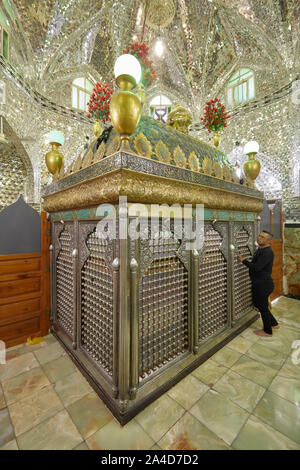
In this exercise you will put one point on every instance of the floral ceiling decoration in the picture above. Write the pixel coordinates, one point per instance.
(53, 42)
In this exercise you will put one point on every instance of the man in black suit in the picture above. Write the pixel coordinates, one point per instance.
(260, 270)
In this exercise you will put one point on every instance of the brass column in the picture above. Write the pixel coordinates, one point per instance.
(195, 300)
(134, 353)
(116, 287)
(124, 313)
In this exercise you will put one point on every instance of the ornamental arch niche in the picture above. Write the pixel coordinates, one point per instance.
(16, 172)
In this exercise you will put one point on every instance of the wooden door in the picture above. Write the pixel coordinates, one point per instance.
(272, 221)
(277, 272)
(25, 292)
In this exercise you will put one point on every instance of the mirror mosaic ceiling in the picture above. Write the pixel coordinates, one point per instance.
(53, 41)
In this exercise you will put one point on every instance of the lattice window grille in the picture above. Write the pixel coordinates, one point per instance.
(242, 283)
(65, 285)
(97, 305)
(212, 287)
(163, 307)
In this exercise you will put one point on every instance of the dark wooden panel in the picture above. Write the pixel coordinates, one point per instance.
(25, 292)
(15, 333)
(277, 272)
(19, 309)
(20, 265)
(17, 287)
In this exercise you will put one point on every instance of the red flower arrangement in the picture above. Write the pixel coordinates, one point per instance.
(98, 104)
(215, 116)
(141, 51)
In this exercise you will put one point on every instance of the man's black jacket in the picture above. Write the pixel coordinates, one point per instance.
(260, 268)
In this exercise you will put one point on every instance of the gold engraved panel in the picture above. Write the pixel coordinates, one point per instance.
(217, 169)
(87, 159)
(100, 152)
(179, 157)
(162, 152)
(207, 166)
(114, 145)
(194, 162)
(142, 145)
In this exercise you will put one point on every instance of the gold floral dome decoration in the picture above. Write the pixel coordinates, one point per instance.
(180, 119)
(160, 13)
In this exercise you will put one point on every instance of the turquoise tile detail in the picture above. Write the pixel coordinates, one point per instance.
(105, 210)
(68, 215)
(83, 214)
(56, 216)
(238, 216)
(251, 217)
(223, 215)
(208, 214)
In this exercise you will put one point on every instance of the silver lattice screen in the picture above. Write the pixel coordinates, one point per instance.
(242, 283)
(65, 285)
(163, 307)
(97, 305)
(212, 287)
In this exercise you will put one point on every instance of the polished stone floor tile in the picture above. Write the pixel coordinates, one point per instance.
(267, 356)
(226, 357)
(256, 435)
(56, 433)
(26, 348)
(280, 414)
(2, 399)
(82, 446)
(281, 340)
(209, 372)
(287, 313)
(29, 412)
(72, 388)
(24, 385)
(217, 418)
(290, 369)
(115, 437)
(220, 415)
(241, 391)
(11, 445)
(287, 387)
(6, 429)
(89, 414)
(156, 447)
(188, 391)
(49, 353)
(160, 416)
(50, 339)
(189, 434)
(59, 368)
(255, 371)
(249, 335)
(240, 344)
(13, 352)
(17, 366)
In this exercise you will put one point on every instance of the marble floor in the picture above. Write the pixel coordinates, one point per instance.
(246, 396)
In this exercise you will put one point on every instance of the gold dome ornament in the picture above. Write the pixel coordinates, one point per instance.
(252, 166)
(217, 139)
(54, 159)
(126, 107)
(97, 129)
(180, 119)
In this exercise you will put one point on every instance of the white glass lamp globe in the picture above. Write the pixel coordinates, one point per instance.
(127, 64)
(159, 47)
(251, 147)
(56, 137)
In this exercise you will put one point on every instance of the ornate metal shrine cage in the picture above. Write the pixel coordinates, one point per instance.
(137, 315)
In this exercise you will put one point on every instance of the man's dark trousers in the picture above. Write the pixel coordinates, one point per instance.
(260, 293)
